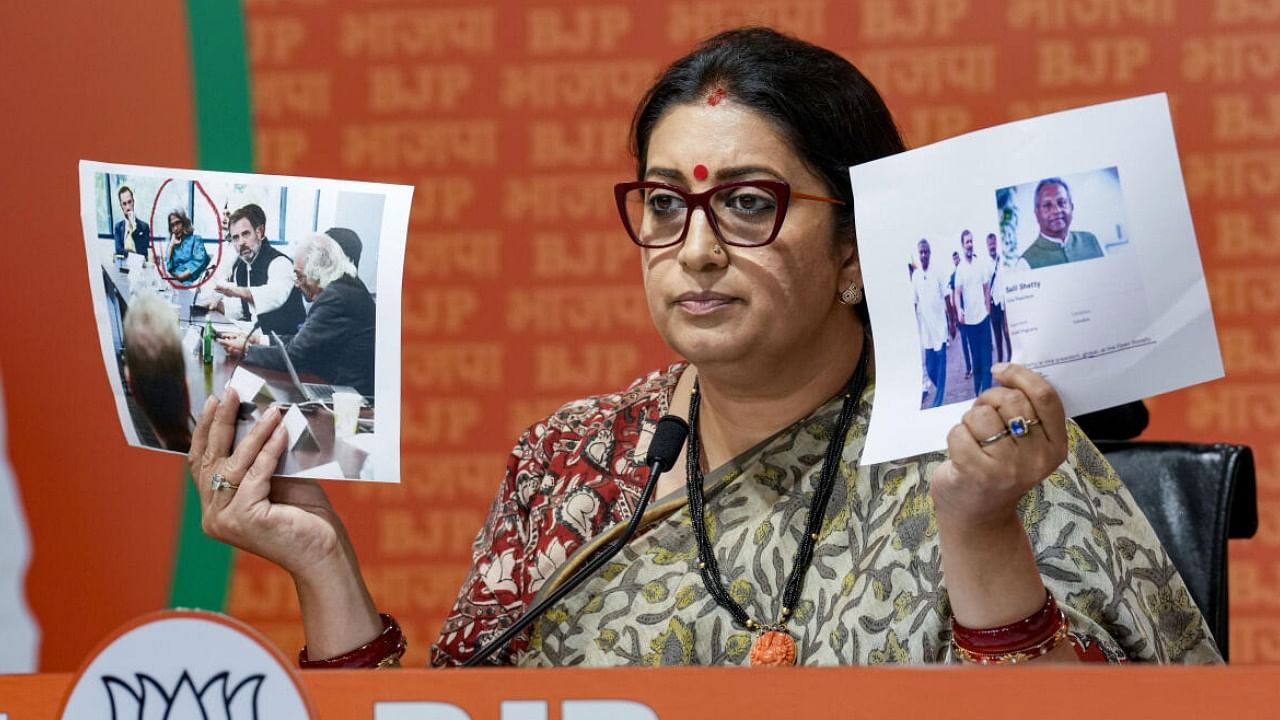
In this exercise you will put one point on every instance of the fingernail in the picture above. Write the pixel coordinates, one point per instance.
(999, 367)
(210, 402)
(272, 413)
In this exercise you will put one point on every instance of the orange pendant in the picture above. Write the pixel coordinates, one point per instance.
(774, 648)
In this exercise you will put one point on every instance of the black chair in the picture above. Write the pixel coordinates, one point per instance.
(1196, 497)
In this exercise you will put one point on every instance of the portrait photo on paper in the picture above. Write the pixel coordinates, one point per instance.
(1062, 219)
(1056, 234)
(1062, 243)
(284, 289)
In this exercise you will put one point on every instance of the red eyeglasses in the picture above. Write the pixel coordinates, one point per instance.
(748, 213)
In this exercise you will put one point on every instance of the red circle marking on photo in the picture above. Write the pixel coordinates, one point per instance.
(213, 266)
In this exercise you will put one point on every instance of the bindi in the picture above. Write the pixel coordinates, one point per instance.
(715, 96)
(700, 171)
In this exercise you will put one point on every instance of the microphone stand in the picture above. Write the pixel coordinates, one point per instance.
(668, 439)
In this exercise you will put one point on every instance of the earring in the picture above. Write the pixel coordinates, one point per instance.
(852, 295)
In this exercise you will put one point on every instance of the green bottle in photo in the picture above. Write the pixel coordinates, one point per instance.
(206, 352)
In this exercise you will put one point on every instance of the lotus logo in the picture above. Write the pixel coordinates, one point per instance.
(213, 700)
(174, 666)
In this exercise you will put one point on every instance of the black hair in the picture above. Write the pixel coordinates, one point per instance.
(825, 107)
(251, 212)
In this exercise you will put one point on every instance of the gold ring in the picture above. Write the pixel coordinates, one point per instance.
(994, 438)
(221, 483)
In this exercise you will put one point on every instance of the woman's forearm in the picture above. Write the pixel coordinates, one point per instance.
(991, 575)
(338, 614)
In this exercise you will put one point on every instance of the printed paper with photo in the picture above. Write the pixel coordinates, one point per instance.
(204, 279)
(1063, 243)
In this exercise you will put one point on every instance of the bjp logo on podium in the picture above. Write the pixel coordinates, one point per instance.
(187, 664)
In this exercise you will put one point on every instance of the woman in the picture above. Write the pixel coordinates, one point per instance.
(767, 543)
(187, 256)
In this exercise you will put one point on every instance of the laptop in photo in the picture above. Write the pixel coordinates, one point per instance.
(312, 392)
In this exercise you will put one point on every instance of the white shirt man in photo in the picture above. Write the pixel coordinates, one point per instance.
(931, 285)
(972, 299)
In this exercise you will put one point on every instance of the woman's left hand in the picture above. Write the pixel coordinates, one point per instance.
(989, 468)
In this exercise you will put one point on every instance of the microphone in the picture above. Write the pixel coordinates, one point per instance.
(668, 440)
(195, 308)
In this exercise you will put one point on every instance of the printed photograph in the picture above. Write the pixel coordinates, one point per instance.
(1064, 219)
(960, 314)
(270, 285)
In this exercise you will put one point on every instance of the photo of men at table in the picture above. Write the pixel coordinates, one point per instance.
(960, 317)
(268, 304)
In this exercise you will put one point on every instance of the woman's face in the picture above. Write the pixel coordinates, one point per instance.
(757, 305)
(175, 226)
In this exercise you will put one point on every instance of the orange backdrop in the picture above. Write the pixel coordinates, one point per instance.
(521, 289)
(103, 517)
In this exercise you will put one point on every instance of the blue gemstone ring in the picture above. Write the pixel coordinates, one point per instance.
(1017, 427)
(1020, 426)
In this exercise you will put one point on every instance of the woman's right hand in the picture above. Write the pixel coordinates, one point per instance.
(288, 521)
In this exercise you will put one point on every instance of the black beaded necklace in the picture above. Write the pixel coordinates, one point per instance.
(774, 644)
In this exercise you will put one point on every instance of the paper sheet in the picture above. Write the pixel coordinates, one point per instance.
(191, 340)
(1080, 233)
(246, 384)
(295, 423)
(374, 218)
(361, 441)
(321, 472)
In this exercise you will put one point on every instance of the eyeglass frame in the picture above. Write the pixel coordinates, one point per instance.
(781, 191)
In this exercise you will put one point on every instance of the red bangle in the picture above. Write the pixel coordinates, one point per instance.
(1030, 637)
(381, 652)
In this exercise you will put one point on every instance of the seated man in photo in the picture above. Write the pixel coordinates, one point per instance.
(257, 285)
(349, 241)
(155, 370)
(1058, 243)
(132, 234)
(336, 341)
